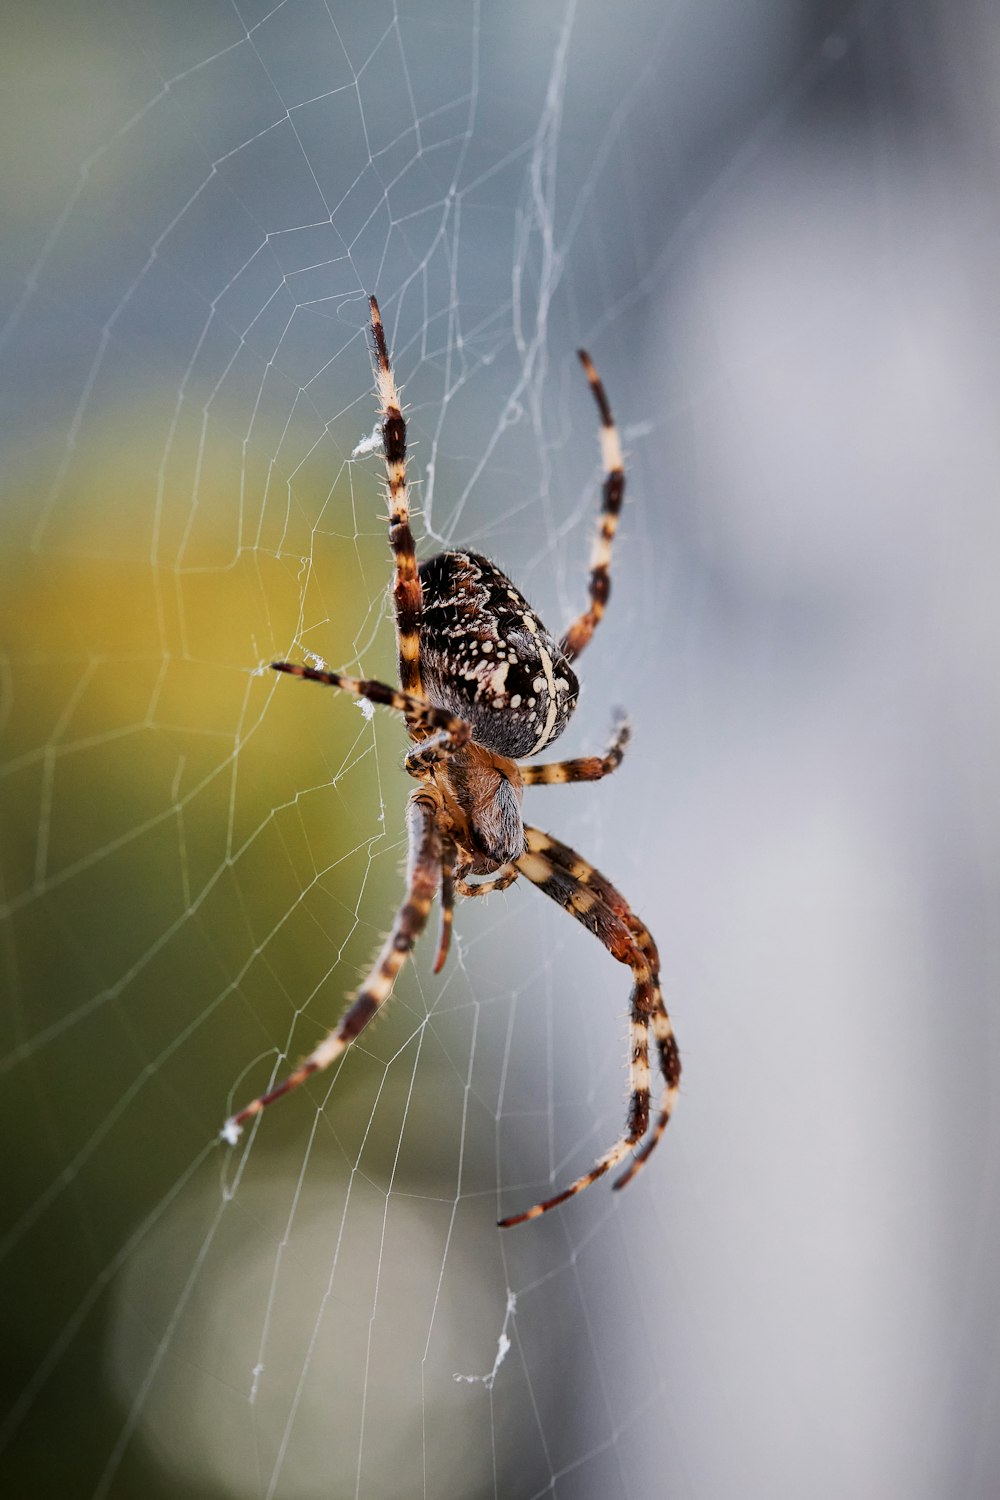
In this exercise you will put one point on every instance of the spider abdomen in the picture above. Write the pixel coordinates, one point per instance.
(486, 656)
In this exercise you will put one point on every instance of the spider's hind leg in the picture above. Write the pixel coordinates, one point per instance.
(422, 877)
(447, 902)
(589, 897)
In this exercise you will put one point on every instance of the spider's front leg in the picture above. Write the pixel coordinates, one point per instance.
(421, 716)
(406, 592)
(422, 877)
(589, 897)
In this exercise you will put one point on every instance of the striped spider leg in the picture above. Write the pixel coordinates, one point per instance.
(425, 867)
(589, 897)
(406, 592)
(422, 877)
(586, 767)
(612, 493)
(483, 688)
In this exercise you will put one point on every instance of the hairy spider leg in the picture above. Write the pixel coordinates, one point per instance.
(448, 852)
(425, 754)
(670, 1067)
(422, 876)
(419, 714)
(501, 881)
(660, 1023)
(579, 633)
(586, 768)
(589, 897)
(406, 592)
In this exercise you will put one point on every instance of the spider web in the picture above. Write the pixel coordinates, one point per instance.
(775, 231)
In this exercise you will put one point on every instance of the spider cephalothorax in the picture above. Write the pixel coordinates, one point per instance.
(481, 795)
(482, 684)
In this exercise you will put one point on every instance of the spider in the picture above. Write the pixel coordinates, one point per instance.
(482, 685)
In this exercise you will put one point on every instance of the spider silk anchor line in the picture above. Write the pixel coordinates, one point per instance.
(483, 684)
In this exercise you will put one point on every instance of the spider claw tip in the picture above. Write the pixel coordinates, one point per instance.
(231, 1131)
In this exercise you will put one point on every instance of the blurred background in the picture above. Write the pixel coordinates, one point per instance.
(775, 228)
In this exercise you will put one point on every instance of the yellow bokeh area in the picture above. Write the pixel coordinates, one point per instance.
(199, 860)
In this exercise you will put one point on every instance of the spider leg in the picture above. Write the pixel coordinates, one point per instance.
(406, 593)
(586, 768)
(579, 633)
(431, 752)
(447, 902)
(504, 877)
(670, 1067)
(419, 715)
(589, 897)
(422, 876)
(660, 1023)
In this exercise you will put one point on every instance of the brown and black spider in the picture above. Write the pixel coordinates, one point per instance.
(482, 684)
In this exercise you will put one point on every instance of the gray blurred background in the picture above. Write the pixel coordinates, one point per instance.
(775, 228)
